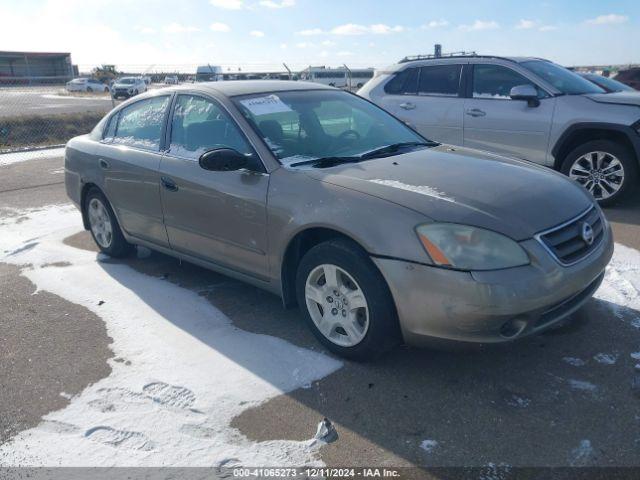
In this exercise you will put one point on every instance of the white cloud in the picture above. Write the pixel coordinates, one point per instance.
(280, 4)
(219, 27)
(310, 32)
(526, 24)
(145, 30)
(176, 27)
(610, 19)
(345, 54)
(436, 24)
(356, 29)
(480, 25)
(227, 4)
(547, 28)
(284, 46)
(304, 45)
(256, 33)
(328, 43)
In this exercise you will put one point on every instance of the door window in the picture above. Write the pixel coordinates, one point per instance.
(496, 82)
(200, 124)
(403, 83)
(140, 124)
(440, 80)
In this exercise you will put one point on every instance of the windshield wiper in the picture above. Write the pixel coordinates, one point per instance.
(324, 162)
(393, 148)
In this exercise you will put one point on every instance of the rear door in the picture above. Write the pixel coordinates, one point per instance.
(430, 99)
(217, 216)
(496, 123)
(129, 158)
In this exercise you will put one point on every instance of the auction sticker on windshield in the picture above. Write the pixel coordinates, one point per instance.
(265, 105)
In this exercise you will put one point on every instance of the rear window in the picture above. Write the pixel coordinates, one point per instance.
(440, 80)
(403, 83)
(140, 124)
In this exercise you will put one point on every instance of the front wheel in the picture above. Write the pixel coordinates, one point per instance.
(89, 89)
(606, 169)
(104, 225)
(346, 301)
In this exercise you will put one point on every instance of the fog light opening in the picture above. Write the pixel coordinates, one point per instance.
(513, 328)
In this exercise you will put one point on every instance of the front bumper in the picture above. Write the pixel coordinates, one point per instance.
(492, 306)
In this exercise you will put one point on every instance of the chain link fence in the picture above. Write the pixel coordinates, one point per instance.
(47, 111)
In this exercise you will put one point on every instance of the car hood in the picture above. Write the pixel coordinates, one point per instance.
(620, 98)
(458, 185)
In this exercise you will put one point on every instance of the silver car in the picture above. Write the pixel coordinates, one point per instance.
(522, 107)
(323, 198)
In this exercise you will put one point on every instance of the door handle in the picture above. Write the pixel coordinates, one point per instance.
(476, 112)
(407, 106)
(169, 184)
(103, 164)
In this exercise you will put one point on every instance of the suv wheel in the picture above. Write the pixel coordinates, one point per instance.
(346, 301)
(605, 168)
(104, 225)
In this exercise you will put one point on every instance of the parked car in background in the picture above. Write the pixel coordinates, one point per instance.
(171, 80)
(630, 77)
(608, 84)
(338, 77)
(319, 196)
(527, 108)
(86, 85)
(128, 87)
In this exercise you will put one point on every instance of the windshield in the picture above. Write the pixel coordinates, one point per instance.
(299, 126)
(561, 78)
(609, 83)
(127, 81)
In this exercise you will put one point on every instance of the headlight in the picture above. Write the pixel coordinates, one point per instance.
(470, 248)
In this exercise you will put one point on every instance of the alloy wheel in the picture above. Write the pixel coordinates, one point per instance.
(599, 172)
(337, 305)
(100, 223)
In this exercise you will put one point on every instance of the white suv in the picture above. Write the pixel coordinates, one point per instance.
(521, 107)
(128, 87)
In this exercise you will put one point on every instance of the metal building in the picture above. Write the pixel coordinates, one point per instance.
(35, 67)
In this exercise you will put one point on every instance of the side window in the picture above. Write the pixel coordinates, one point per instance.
(110, 131)
(199, 124)
(140, 124)
(496, 81)
(440, 80)
(403, 83)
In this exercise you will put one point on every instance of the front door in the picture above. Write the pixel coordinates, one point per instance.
(216, 216)
(496, 123)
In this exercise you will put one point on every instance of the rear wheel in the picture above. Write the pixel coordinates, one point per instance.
(346, 301)
(104, 225)
(606, 169)
(89, 89)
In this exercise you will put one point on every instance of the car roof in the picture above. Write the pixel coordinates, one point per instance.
(232, 88)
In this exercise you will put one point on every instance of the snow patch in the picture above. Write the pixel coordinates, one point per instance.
(190, 371)
(421, 189)
(606, 358)
(576, 362)
(581, 454)
(17, 157)
(582, 385)
(428, 445)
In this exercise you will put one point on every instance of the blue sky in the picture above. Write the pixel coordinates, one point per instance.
(262, 33)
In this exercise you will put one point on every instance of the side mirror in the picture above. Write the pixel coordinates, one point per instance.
(527, 93)
(222, 160)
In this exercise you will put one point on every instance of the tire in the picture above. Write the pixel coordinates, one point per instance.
(135, 92)
(89, 90)
(615, 158)
(374, 329)
(106, 89)
(109, 240)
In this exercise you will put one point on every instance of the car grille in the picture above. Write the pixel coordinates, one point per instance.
(566, 242)
(121, 91)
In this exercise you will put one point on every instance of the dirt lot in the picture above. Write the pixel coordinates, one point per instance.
(149, 361)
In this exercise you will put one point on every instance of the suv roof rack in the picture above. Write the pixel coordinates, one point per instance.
(414, 58)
